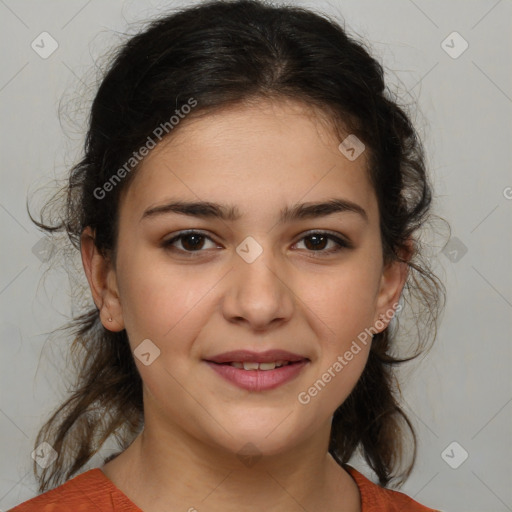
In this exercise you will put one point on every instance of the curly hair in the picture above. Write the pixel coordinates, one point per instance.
(222, 53)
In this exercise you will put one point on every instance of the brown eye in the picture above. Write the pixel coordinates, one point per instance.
(318, 241)
(191, 241)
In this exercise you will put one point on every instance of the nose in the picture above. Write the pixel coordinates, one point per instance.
(258, 294)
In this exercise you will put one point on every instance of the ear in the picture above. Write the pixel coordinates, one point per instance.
(394, 276)
(102, 280)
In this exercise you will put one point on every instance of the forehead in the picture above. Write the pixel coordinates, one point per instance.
(257, 156)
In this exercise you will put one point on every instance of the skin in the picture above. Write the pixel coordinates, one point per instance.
(259, 158)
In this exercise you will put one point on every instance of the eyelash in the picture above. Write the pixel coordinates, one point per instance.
(342, 244)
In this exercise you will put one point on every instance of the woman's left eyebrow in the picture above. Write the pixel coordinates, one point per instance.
(300, 211)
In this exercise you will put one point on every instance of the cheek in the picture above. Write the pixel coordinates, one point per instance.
(341, 310)
(162, 302)
(146, 296)
(343, 300)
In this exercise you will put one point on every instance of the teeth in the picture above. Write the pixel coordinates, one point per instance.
(259, 366)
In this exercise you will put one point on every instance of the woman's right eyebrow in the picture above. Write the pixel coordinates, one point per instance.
(299, 211)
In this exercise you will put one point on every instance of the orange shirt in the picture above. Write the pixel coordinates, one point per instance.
(92, 491)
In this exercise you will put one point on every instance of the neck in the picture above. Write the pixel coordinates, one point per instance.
(171, 470)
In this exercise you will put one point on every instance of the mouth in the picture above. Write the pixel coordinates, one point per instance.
(254, 371)
(276, 356)
(248, 365)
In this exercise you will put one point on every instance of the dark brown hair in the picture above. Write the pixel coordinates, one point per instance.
(221, 53)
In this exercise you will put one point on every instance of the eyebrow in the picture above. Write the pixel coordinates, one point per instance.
(209, 210)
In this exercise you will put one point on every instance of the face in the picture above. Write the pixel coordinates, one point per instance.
(192, 285)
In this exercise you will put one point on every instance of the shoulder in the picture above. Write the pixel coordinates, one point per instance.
(89, 491)
(376, 498)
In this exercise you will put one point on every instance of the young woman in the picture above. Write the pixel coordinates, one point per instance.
(247, 211)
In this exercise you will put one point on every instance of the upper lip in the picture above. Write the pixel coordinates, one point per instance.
(256, 357)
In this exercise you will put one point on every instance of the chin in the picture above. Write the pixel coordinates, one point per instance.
(257, 446)
(269, 437)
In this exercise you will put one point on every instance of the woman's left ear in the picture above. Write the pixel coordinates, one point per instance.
(394, 277)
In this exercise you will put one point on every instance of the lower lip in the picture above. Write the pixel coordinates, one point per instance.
(258, 380)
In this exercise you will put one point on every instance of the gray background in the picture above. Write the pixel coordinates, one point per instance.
(462, 391)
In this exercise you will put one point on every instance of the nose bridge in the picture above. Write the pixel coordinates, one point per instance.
(257, 292)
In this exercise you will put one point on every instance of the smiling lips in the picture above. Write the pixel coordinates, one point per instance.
(255, 371)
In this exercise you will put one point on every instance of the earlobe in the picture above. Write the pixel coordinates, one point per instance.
(102, 282)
